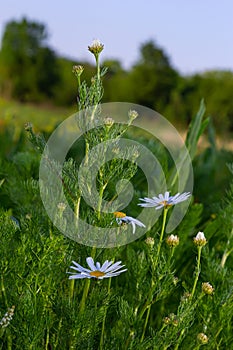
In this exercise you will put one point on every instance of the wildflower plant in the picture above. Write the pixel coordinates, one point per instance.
(82, 273)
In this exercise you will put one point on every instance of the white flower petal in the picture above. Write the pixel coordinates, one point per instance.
(98, 266)
(117, 273)
(105, 265)
(134, 226)
(91, 263)
(166, 196)
(113, 267)
(79, 267)
(78, 276)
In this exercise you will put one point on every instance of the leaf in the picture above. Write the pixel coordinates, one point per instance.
(196, 128)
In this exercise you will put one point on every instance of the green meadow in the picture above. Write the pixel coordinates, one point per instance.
(82, 268)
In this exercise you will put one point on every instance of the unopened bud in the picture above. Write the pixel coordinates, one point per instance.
(150, 241)
(207, 288)
(202, 338)
(77, 70)
(96, 47)
(172, 241)
(200, 239)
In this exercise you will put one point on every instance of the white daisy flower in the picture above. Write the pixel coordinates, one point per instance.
(108, 269)
(164, 201)
(122, 218)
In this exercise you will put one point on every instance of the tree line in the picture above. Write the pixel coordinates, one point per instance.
(30, 71)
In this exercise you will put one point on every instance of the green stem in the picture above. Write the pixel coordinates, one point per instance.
(161, 237)
(76, 211)
(71, 290)
(179, 339)
(104, 318)
(9, 341)
(198, 270)
(146, 321)
(86, 151)
(86, 287)
(101, 192)
(226, 252)
(98, 67)
(147, 306)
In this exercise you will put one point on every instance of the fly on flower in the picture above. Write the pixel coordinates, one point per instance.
(164, 201)
(122, 218)
(108, 269)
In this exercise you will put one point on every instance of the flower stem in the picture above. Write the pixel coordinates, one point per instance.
(101, 192)
(198, 270)
(76, 210)
(161, 237)
(86, 151)
(104, 318)
(146, 321)
(86, 287)
(226, 252)
(98, 67)
(154, 265)
(179, 339)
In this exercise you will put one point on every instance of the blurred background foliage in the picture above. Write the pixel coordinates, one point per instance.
(31, 72)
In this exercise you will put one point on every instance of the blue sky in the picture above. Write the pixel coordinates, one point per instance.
(197, 34)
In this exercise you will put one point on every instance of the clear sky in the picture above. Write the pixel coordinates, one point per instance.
(197, 34)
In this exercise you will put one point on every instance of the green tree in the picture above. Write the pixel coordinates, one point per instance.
(215, 87)
(153, 78)
(30, 67)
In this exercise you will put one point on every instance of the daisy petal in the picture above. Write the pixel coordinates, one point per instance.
(90, 263)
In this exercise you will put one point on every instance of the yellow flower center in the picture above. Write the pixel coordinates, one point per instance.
(165, 203)
(97, 273)
(119, 214)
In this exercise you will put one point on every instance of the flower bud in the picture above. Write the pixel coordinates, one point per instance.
(132, 115)
(202, 338)
(4, 322)
(172, 241)
(200, 239)
(61, 206)
(186, 297)
(150, 241)
(166, 320)
(96, 47)
(108, 121)
(77, 70)
(28, 126)
(207, 288)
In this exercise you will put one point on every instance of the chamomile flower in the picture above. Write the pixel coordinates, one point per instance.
(122, 218)
(164, 201)
(108, 269)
